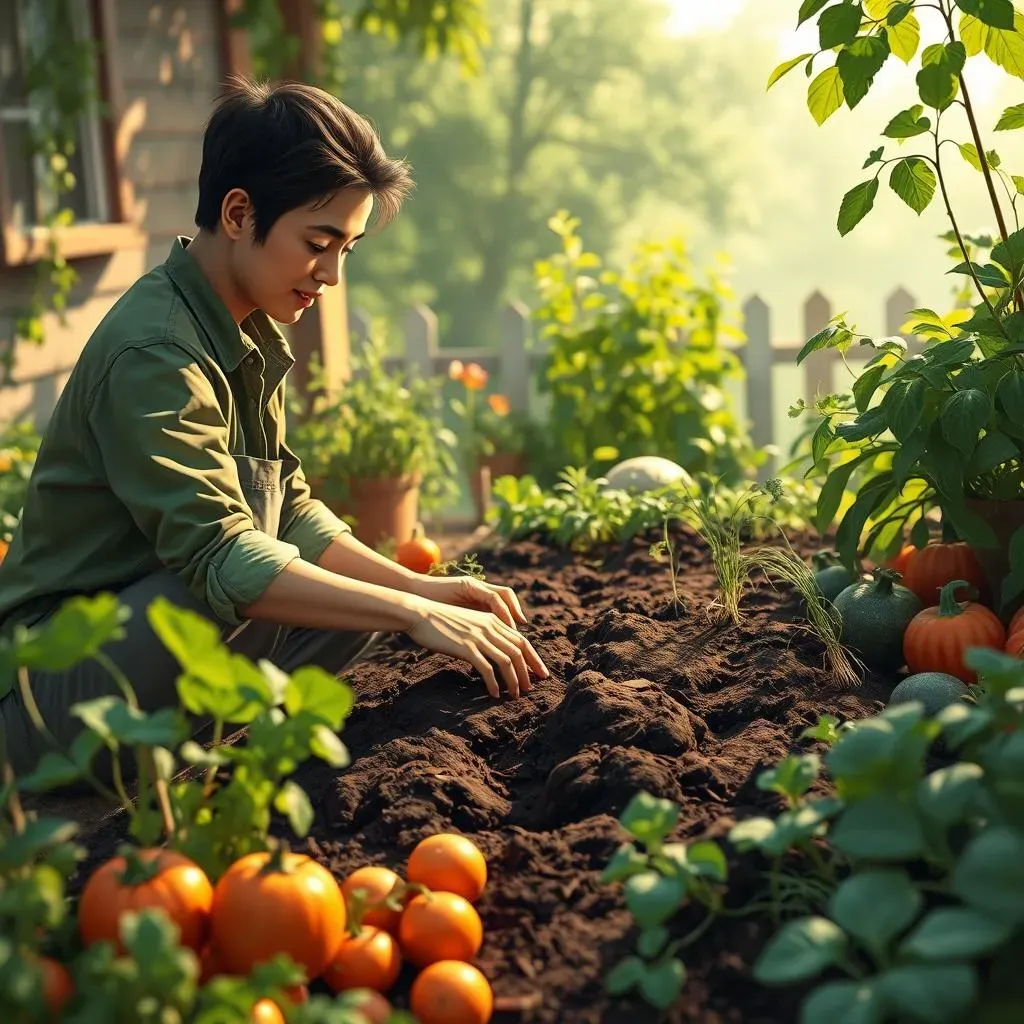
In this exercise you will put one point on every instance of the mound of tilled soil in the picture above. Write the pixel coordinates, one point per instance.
(640, 697)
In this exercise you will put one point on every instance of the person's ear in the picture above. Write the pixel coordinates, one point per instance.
(233, 211)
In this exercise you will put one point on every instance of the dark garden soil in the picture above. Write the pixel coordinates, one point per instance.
(684, 707)
(638, 699)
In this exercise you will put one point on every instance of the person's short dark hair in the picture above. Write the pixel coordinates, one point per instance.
(291, 145)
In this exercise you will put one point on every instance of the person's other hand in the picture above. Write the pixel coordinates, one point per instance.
(469, 592)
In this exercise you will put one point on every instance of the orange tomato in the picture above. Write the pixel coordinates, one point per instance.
(376, 882)
(370, 959)
(418, 553)
(447, 862)
(440, 926)
(58, 987)
(266, 1011)
(261, 910)
(937, 638)
(160, 879)
(451, 992)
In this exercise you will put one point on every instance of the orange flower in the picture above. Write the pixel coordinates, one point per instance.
(474, 376)
(456, 369)
(499, 404)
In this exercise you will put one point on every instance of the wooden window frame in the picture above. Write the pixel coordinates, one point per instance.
(18, 248)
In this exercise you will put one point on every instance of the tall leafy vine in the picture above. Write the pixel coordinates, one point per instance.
(60, 84)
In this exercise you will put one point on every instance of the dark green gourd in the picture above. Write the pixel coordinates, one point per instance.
(935, 690)
(875, 614)
(831, 576)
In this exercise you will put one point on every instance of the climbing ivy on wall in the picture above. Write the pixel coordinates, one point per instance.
(60, 82)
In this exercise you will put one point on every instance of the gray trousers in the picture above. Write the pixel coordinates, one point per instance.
(153, 671)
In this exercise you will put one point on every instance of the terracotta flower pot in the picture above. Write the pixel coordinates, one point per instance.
(385, 508)
(488, 469)
(1005, 517)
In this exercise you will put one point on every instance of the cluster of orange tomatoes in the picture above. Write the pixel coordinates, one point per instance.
(353, 936)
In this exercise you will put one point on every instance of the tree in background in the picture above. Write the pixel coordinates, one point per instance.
(581, 104)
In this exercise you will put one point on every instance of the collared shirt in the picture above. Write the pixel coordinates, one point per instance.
(136, 470)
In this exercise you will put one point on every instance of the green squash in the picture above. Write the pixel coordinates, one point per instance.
(935, 690)
(875, 614)
(831, 577)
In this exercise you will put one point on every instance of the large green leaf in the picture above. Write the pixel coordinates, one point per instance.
(858, 63)
(809, 8)
(905, 34)
(913, 180)
(1012, 117)
(1004, 47)
(963, 417)
(838, 25)
(908, 123)
(800, 950)
(856, 205)
(875, 906)
(1010, 255)
(936, 86)
(785, 67)
(996, 13)
(825, 94)
(832, 490)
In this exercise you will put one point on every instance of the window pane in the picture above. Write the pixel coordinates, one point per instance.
(31, 197)
(20, 177)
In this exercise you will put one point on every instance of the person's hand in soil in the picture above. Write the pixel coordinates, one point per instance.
(469, 592)
(482, 639)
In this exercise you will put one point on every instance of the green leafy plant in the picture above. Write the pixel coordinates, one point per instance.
(940, 428)
(19, 445)
(659, 879)
(636, 359)
(214, 812)
(580, 512)
(924, 916)
(376, 425)
(211, 818)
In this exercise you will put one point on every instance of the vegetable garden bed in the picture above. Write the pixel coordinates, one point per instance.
(641, 698)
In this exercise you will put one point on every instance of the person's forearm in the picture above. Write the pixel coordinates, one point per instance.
(349, 557)
(306, 595)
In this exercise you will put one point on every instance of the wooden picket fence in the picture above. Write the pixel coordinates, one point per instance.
(514, 364)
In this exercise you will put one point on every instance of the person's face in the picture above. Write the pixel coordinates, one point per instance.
(303, 252)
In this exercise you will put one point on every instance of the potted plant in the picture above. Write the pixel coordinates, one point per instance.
(937, 436)
(496, 440)
(376, 451)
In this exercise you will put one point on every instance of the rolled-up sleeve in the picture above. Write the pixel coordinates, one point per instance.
(306, 521)
(163, 440)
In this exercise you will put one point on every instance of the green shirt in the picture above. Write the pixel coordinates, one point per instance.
(136, 471)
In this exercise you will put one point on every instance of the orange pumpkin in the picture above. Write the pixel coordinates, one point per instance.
(937, 638)
(418, 553)
(934, 565)
(157, 878)
(1016, 623)
(266, 904)
(898, 563)
(1015, 643)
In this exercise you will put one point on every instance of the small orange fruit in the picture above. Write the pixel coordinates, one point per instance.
(447, 862)
(441, 926)
(451, 992)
